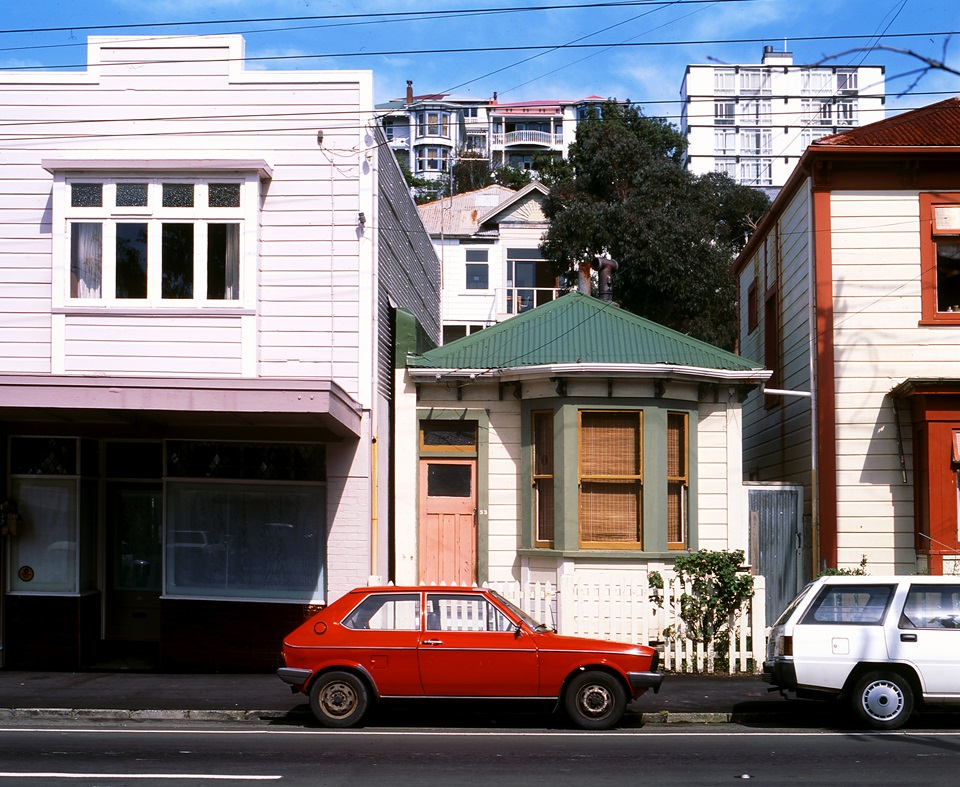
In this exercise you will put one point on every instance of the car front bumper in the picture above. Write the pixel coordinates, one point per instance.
(641, 681)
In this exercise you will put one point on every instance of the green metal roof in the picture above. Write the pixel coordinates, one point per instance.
(578, 329)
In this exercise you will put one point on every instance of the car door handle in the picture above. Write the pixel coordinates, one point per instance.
(908, 637)
(432, 642)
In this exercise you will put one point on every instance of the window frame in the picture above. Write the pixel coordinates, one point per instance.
(680, 479)
(109, 216)
(929, 235)
(548, 475)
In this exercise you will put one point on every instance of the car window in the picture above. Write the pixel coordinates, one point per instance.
(863, 604)
(386, 612)
(451, 612)
(932, 607)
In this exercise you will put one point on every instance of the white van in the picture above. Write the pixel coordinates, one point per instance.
(883, 642)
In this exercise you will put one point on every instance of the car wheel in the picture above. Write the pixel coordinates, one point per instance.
(884, 700)
(339, 699)
(595, 700)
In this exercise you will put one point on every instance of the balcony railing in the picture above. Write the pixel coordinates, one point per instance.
(544, 138)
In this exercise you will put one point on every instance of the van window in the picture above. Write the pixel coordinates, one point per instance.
(932, 607)
(857, 604)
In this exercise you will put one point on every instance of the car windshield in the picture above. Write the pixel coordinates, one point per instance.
(532, 622)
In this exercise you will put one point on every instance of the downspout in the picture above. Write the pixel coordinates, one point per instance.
(814, 390)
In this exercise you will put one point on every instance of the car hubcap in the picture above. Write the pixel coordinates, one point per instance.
(882, 700)
(595, 700)
(338, 700)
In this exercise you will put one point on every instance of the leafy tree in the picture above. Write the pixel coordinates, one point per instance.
(624, 192)
(470, 174)
(511, 177)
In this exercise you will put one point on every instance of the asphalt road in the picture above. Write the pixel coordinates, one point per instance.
(662, 755)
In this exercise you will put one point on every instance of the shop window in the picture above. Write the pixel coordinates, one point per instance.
(610, 480)
(235, 539)
(940, 257)
(245, 520)
(53, 550)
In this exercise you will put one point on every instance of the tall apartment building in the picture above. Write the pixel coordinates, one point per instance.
(754, 121)
(430, 132)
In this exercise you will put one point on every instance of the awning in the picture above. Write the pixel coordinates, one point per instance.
(304, 409)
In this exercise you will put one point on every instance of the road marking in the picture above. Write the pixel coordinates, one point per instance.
(181, 776)
(585, 734)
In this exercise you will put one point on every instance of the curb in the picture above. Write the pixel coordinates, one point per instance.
(107, 714)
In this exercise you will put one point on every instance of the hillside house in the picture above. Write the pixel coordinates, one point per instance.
(488, 242)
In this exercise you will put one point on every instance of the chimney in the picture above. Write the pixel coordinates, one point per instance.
(494, 97)
(605, 268)
(409, 91)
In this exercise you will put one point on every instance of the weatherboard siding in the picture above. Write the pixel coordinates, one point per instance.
(878, 343)
(193, 99)
(777, 443)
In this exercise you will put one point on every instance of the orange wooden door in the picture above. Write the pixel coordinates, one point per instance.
(448, 532)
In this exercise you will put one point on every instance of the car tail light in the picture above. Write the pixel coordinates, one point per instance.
(787, 646)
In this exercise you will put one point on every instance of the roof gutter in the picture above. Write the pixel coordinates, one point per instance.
(651, 370)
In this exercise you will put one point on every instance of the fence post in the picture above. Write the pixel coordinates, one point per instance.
(758, 623)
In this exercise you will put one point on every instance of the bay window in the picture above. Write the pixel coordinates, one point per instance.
(147, 241)
(609, 482)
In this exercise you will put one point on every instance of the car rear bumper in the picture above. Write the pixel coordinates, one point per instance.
(780, 673)
(295, 676)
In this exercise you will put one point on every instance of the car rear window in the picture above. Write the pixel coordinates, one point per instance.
(386, 612)
(852, 604)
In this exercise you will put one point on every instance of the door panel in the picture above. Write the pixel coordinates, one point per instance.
(448, 535)
(470, 648)
(928, 636)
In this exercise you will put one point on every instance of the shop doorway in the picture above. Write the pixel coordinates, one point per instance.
(134, 573)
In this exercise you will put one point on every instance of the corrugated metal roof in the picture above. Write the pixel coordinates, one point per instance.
(937, 125)
(459, 215)
(576, 329)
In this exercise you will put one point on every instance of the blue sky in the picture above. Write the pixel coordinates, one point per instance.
(649, 44)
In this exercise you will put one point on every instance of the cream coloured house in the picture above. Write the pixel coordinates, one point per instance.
(573, 437)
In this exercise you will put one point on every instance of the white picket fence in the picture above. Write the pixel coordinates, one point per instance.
(624, 608)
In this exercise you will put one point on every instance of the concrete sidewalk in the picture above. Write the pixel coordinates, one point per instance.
(162, 696)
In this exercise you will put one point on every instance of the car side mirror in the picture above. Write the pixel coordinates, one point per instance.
(518, 630)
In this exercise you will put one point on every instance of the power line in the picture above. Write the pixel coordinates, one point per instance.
(372, 16)
(486, 49)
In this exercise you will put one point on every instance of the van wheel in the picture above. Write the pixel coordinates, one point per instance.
(883, 700)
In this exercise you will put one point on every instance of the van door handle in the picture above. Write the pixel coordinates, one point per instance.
(433, 642)
(908, 637)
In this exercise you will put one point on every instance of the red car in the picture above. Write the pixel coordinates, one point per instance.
(391, 642)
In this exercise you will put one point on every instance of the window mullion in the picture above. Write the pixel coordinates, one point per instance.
(108, 290)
